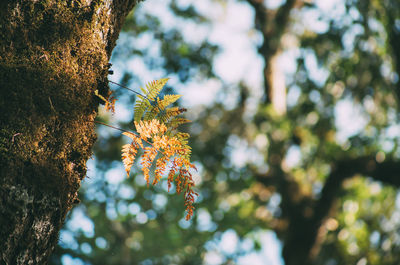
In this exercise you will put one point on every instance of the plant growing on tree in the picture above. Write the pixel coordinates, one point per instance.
(156, 134)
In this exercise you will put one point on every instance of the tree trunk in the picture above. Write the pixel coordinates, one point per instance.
(53, 56)
(272, 25)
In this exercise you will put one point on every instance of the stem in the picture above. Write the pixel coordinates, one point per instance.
(137, 93)
(105, 124)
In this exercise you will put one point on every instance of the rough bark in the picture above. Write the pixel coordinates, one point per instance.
(53, 56)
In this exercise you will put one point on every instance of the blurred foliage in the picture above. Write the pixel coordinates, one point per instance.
(345, 73)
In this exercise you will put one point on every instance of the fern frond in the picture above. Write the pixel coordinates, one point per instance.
(110, 104)
(184, 182)
(135, 138)
(156, 124)
(129, 152)
(148, 129)
(175, 122)
(148, 157)
(158, 107)
(140, 107)
(109, 101)
(161, 165)
(189, 199)
(152, 111)
(170, 113)
(168, 100)
(171, 175)
(174, 111)
(154, 88)
(149, 103)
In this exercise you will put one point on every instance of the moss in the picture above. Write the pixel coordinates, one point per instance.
(54, 56)
(48, 74)
(5, 144)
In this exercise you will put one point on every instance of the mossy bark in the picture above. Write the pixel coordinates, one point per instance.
(53, 56)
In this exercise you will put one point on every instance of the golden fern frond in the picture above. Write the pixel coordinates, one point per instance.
(148, 157)
(135, 138)
(148, 129)
(109, 101)
(189, 197)
(129, 151)
(110, 104)
(161, 165)
(128, 156)
(171, 175)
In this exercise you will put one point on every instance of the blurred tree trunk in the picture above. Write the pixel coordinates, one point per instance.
(393, 29)
(302, 223)
(273, 24)
(53, 56)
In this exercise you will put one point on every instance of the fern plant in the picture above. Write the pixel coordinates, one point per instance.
(156, 133)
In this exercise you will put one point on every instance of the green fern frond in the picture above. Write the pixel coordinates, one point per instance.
(183, 138)
(170, 113)
(175, 122)
(168, 100)
(148, 106)
(152, 111)
(144, 91)
(182, 135)
(158, 107)
(140, 107)
(154, 88)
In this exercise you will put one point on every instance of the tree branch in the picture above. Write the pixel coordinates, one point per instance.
(388, 171)
(301, 239)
